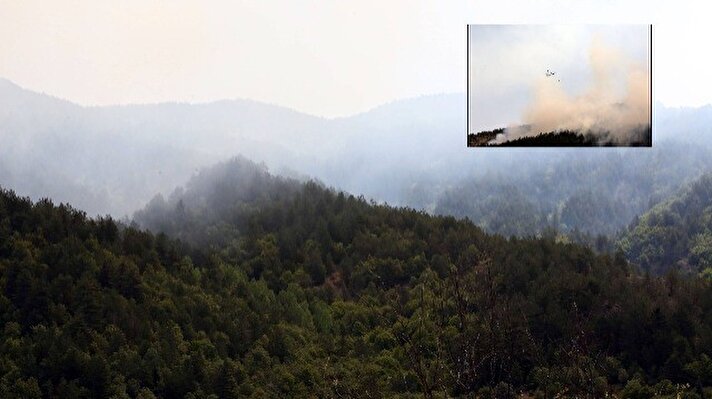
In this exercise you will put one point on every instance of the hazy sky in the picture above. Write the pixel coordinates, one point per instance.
(327, 58)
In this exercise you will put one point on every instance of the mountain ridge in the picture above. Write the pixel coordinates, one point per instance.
(319, 292)
(113, 160)
(7, 84)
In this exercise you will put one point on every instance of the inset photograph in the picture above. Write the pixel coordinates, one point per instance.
(559, 85)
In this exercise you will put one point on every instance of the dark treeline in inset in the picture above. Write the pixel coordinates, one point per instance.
(319, 293)
(565, 138)
(560, 138)
(482, 138)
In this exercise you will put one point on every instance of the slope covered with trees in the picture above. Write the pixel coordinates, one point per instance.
(597, 192)
(676, 233)
(326, 295)
(214, 206)
(640, 137)
(115, 159)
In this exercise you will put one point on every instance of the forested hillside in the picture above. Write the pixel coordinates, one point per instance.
(593, 192)
(677, 233)
(215, 205)
(113, 160)
(560, 138)
(326, 295)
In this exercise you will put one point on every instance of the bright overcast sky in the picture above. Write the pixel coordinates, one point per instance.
(327, 58)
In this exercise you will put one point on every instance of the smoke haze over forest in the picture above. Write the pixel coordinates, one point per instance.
(275, 199)
(113, 160)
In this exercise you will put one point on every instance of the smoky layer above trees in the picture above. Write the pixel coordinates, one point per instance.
(327, 294)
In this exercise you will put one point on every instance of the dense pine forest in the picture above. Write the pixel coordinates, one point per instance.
(597, 193)
(676, 233)
(252, 285)
(565, 138)
(641, 137)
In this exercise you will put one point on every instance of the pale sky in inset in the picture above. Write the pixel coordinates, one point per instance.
(328, 58)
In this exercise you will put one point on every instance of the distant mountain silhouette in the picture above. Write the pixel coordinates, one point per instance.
(114, 159)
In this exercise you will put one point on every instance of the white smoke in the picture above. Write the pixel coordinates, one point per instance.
(614, 107)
